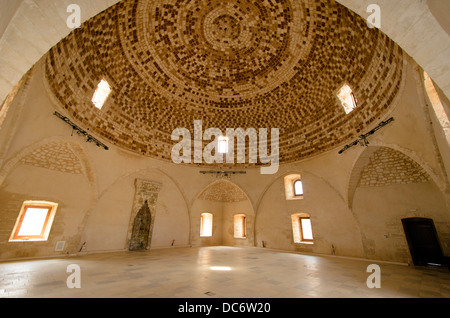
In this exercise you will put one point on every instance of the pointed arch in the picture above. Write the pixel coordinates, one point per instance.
(120, 189)
(365, 157)
(214, 192)
(361, 161)
(225, 200)
(76, 150)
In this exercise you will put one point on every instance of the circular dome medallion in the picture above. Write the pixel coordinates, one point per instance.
(223, 31)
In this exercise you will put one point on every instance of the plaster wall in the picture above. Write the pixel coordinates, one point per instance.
(230, 209)
(379, 211)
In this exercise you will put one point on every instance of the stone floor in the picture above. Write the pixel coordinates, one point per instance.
(217, 272)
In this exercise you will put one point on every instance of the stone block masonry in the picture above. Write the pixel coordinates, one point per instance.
(387, 166)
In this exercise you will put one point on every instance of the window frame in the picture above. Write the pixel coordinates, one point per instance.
(352, 95)
(355, 101)
(302, 238)
(297, 228)
(293, 188)
(223, 145)
(202, 224)
(289, 186)
(98, 91)
(46, 227)
(243, 219)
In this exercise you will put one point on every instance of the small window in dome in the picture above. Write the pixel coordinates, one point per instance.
(347, 98)
(223, 145)
(101, 94)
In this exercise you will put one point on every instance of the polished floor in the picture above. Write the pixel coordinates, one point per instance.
(216, 272)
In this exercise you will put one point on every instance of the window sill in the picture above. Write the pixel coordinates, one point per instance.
(27, 240)
(307, 243)
(299, 197)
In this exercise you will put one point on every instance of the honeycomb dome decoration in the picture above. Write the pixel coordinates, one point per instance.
(232, 64)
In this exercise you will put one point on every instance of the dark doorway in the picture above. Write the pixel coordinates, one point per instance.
(423, 242)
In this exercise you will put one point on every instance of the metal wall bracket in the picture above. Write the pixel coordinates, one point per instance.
(362, 140)
(81, 132)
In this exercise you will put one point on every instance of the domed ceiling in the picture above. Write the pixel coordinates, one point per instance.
(232, 64)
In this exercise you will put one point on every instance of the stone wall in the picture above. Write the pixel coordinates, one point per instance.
(54, 156)
(388, 166)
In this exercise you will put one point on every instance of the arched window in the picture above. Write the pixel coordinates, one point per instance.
(302, 228)
(240, 226)
(34, 221)
(298, 188)
(293, 187)
(206, 222)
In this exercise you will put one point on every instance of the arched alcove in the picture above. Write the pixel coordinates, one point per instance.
(43, 172)
(334, 228)
(390, 186)
(412, 159)
(224, 200)
(140, 235)
(111, 221)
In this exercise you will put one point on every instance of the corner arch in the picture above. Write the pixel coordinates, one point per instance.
(240, 193)
(24, 175)
(75, 147)
(364, 159)
(223, 199)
